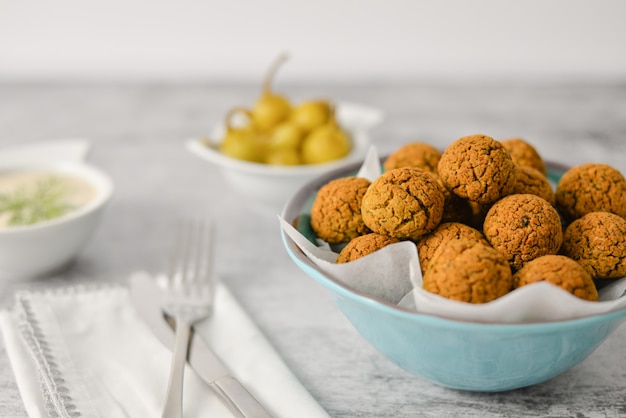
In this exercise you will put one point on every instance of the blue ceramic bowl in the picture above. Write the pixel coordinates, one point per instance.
(454, 354)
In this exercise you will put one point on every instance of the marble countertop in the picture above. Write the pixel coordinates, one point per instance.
(137, 132)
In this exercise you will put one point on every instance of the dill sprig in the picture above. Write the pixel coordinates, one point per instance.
(39, 202)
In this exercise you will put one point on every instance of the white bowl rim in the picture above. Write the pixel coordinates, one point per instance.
(87, 172)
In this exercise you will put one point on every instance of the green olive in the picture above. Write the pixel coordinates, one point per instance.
(311, 114)
(271, 108)
(269, 111)
(325, 143)
(285, 135)
(283, 156)
(241, 142)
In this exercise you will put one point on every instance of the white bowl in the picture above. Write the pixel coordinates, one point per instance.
(47, 246)
(271, 185)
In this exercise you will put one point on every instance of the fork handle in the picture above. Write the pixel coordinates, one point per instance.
(174, 399)
(240, 401)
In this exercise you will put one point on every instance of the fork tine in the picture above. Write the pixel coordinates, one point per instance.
(204, 255)
(180, 257)
(187, 245)
(198, 259)
(191, 262)
(173, 267)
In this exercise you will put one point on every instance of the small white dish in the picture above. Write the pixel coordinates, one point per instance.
(44, 247)
(270, 186)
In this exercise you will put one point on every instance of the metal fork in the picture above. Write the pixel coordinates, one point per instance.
(189, 299)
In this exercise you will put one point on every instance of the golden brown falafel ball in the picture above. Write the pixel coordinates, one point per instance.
(477, 168)
(414, 154)
(530, 180)
(524, 154)
(558, 270)
(444, 233)
(523, 227)
(597, 241)
(404, 203)
(336, 211)
(590, 188)
(468, 271)
(363, 245)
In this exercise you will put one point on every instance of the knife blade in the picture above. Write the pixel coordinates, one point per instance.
(146, 297)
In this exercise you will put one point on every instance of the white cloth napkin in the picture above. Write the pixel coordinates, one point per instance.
(85, 352)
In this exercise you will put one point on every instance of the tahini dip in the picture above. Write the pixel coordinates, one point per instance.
(73, 191)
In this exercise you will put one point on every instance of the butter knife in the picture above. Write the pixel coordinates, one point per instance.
(146, 298)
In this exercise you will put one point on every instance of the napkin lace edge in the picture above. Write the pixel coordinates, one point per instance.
(71, 290)
(57, 398)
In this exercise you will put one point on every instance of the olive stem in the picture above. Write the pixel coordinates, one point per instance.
(280, 60)
(232, 112)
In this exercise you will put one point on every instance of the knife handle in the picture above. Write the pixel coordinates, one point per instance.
(238, 398)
